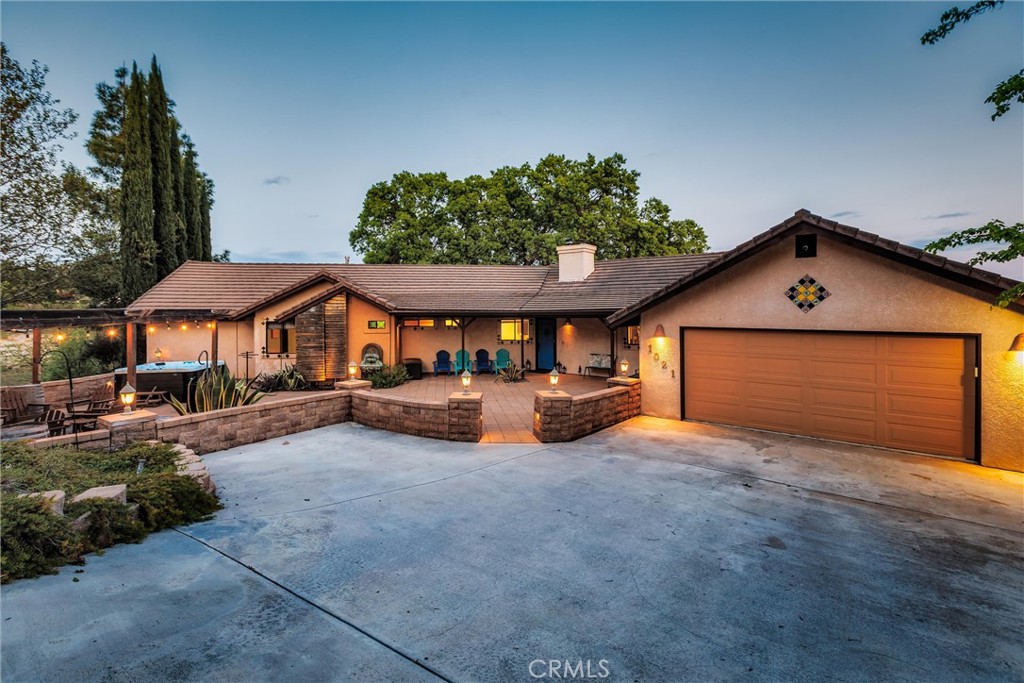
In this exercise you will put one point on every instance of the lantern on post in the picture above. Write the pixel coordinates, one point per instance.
(624, 366)
(127, 395)
(553, 378)
(466, 379)
(352, 369)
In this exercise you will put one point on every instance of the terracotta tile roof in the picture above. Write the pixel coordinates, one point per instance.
(986, 283)
(237, 289)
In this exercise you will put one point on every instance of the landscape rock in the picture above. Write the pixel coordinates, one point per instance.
(118, 492)
(55, 499)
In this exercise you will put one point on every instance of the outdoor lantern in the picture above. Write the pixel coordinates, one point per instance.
(553, 376)
(159, 354)
(659, 331)
(352, 368)
(127, 394)
(624, 366)
(466, 379)
(1018, 343)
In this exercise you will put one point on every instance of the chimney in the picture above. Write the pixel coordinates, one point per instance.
(575, 262)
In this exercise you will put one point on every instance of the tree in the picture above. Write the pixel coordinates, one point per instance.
(518, 215)
(205, 205)
(1007, 92)
(1010, 239)
(181, 230)
(191, 201)
(34, 212)
(165, 223)
(138, 270)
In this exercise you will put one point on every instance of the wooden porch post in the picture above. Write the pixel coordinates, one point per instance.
(37, 353)
(213, 343)
(522, 349)
(130, 353)
(612, 331)
(462, 328)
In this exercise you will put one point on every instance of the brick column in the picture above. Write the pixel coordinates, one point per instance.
(552, 416)
(465, 416)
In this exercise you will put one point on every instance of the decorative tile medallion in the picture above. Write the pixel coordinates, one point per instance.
(807, 293)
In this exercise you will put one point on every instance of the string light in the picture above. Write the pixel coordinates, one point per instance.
(60, 337)
(111, 333)
(184, 327)
(151, 329)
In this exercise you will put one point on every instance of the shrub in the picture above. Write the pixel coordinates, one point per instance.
(217, 389)
(168, 499)
(110, 522)
(286, 379)
(389, 376)
(35, 541)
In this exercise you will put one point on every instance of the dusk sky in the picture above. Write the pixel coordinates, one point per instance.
(736, 114)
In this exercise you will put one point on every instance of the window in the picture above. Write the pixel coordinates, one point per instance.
(514, 330)
(280, 338)
(632, 337)
(418, 323)
(451, 323)
(377, 324)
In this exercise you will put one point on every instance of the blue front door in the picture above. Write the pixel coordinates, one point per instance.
(545, 343)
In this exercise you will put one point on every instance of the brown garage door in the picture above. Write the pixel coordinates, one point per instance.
(908, 392)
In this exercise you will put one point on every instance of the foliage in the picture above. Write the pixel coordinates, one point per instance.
(518, 215)
(165, 221)
(285, 379)
(34, 212)
(389, 376)
(34, 541)
(1006, 93)
(89, 351)
(1010, 238)
(512, 373)
(217, 389)
(137, 244)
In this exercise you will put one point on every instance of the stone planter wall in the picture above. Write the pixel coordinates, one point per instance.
(460, 419)
(56, 392)
(558, 416)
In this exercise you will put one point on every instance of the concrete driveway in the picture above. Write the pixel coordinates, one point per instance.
(654, 551)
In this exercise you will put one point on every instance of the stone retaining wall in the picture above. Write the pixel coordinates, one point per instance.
(558, 416)
(56, 392)
(460, 419)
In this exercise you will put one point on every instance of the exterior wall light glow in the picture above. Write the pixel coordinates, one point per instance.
(159, 354)
(352, 368)
(553, 377)
(466, 379)
(127, 395)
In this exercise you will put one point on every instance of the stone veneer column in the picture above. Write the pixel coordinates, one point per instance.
(552, 416)
(465, 416)
(632, 408)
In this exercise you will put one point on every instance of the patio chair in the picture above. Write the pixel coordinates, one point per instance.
(483, 361)
(17, 411)
(501, 359)
(55, 420)
(443, 363)
(463, 361)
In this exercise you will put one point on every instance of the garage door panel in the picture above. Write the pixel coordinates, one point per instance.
(910, 392)
(849, 372)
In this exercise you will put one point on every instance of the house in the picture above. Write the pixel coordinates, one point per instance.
(812, 328)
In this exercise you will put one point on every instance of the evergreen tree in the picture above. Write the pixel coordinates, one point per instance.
(138, 271)
(164, 222)
(205, 204)
(181, 233)
(192, 201)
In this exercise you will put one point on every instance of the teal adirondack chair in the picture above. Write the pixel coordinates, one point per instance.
(463, 361)
(501, 360)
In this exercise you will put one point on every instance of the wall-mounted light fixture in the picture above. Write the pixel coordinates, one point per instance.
(1018, 343)
(159, 354)
(659, 331)
(567, 323)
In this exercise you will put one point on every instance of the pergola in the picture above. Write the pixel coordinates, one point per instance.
(39, 319)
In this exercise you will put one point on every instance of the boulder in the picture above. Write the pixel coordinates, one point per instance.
(118, 492)
(55, 499)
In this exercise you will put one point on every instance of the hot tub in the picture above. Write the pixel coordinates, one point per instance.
(172, 376)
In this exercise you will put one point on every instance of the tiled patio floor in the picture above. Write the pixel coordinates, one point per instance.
(508, 408)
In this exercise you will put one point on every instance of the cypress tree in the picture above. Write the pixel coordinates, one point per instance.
(192, 202)
(138, 272)
(205, 205)
(181, 233)
(164, 227)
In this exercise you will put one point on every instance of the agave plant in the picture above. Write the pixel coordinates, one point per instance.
(512, 373)
(216, 389)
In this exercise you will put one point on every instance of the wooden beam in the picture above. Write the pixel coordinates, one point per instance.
(213, 343)
(130, 354)
(37, 353)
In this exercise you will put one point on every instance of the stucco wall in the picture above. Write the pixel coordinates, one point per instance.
(359, 335)
(482, 333)
(178, 344)
(868, 293)
(589, 335)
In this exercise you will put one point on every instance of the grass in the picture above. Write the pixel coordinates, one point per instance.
(34, 541)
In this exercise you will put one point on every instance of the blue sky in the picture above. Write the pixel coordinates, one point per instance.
(736, 114)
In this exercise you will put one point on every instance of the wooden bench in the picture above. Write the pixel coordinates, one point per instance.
(598, 361)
